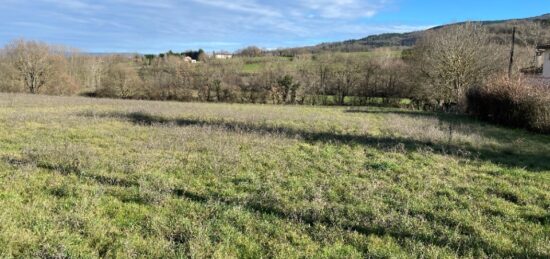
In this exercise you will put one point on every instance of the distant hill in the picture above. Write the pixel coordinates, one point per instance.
(501, 30)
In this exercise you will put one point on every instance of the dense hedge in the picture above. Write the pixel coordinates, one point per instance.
(518, 103)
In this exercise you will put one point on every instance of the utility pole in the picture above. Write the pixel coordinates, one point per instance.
(512, 54)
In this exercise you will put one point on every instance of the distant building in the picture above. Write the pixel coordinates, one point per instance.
(539, 75)
(189, 60)
(222, 55)
(543, 52)
(541, 69)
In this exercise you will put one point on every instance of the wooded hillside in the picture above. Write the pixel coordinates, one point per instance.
(530, 30)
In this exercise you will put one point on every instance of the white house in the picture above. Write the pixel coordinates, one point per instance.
(189, 60)
(223, 55)
(544, 59)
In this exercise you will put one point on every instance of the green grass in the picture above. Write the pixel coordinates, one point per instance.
(109, 178)
(372, 101)
(252, 67)
(256, 64)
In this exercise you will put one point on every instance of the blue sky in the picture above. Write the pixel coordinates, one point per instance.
(152, 26)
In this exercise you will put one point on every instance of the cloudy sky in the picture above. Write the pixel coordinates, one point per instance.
(152, 26)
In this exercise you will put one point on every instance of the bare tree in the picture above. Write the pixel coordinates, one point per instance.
(10, 81)
(531, 34)
(307, 74)
(32, 61)
(251, 51)
(346, 78)
(453, 59)
(95, 72)
(122, 80)
(324, 72)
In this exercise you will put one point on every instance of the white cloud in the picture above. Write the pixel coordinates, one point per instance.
(327, 9)
(344, 9)
(152, 26)
(159, 4)
(81, 5)
(241, 6)
(297, 18)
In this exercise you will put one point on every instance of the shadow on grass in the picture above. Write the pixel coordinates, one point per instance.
(449, 118)
(334, 217)
(489, 130)
(535, 162)
(529, 159)
(471, 243)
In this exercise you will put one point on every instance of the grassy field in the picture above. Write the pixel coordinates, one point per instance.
(108, 178)
(256, 64)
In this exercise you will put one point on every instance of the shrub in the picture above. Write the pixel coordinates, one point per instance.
(518, 103)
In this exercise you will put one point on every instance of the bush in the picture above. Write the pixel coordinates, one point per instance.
(517, 103)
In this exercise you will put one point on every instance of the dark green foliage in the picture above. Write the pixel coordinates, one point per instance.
(193, 54)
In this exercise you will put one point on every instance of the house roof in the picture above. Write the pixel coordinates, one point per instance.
(543, 46)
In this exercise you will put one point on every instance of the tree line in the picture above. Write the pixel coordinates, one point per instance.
(435, 74)
(327, 78)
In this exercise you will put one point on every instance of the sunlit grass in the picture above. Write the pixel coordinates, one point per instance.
(256, 64)
(89, 177)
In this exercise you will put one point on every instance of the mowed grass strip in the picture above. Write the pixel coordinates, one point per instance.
(109, 178)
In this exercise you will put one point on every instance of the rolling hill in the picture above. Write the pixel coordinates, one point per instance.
(527, 34)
